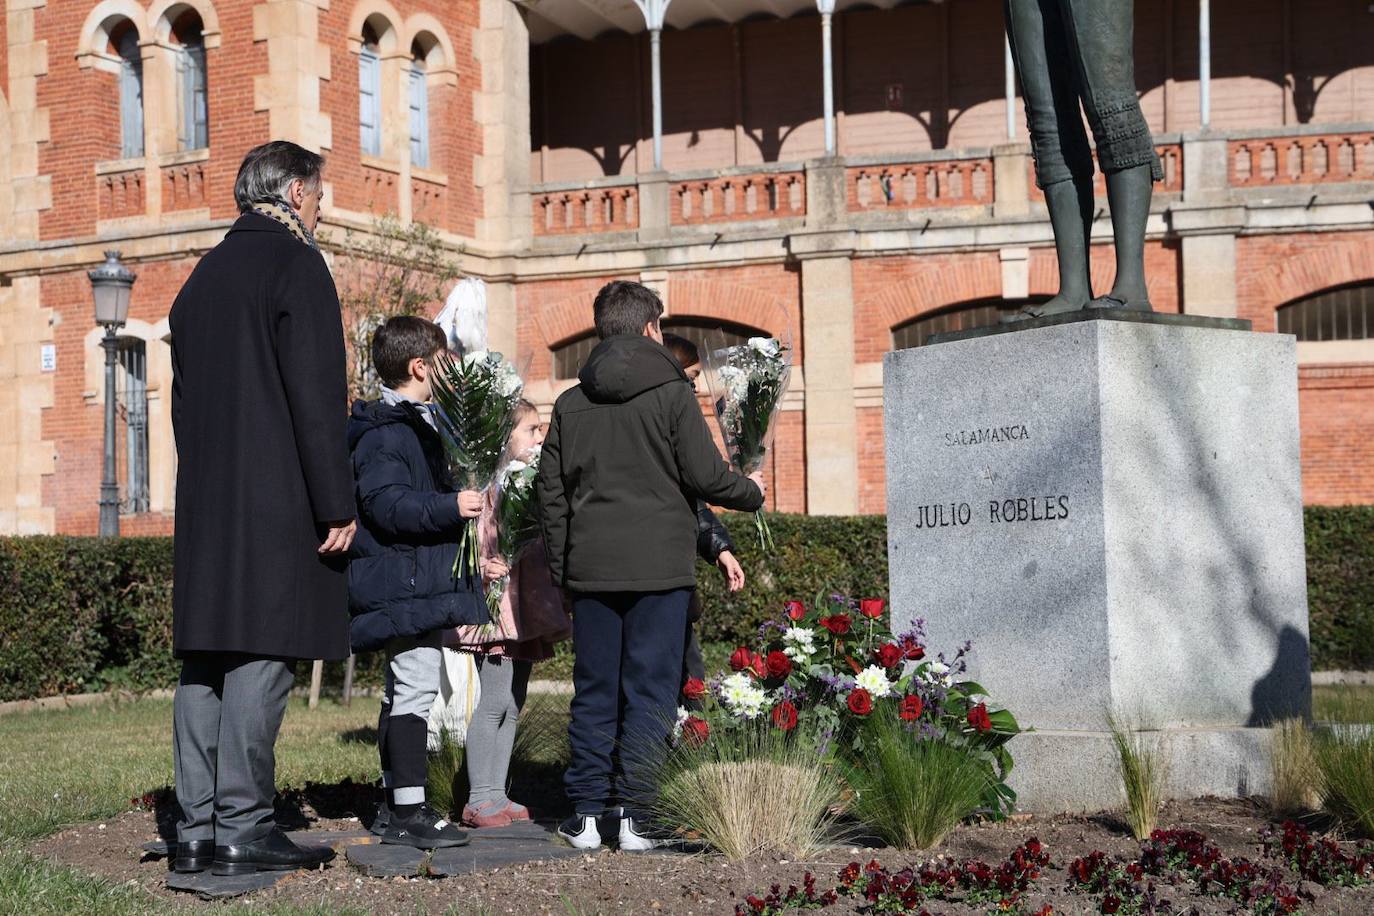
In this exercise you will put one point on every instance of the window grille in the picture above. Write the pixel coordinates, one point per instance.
(131, 411)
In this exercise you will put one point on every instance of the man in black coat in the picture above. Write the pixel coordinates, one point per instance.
(627, 457)
(264, 507)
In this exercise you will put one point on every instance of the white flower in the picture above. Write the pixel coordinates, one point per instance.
(798, 643)
(874, 680)
(767, 346)
(682, 715)
(938, 673)
(742, 696)
(473, 358)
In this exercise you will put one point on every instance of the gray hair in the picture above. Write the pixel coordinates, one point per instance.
(268, 170)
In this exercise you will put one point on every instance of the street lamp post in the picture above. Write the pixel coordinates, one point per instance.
(111, 284)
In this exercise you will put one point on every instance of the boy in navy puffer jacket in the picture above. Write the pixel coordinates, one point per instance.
(402, 590)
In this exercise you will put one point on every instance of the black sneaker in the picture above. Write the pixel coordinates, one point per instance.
(425, 829)
(381, 820)
(581, 831)
(638, 835)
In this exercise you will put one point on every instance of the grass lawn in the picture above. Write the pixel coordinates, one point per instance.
(61, 767)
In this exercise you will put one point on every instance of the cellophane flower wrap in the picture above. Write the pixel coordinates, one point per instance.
(748, 382)
(517, 519)
(475, 396)
(821, 668)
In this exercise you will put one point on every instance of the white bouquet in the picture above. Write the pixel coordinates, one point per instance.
(517, 519)
(747, 384)
(475, 396)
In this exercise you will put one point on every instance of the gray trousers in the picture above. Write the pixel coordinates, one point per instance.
(225, 718)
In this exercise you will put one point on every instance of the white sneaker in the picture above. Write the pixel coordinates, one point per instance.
(641, 838)
(581, 831)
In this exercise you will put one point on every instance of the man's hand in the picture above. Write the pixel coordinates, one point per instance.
(470, 503)
(757, 478)
(495, 568)
(731, 570)
(339, 539)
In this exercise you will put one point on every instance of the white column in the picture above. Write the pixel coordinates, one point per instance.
(827, 9)
(1204, 62)
(1010, 67)
(654, 13)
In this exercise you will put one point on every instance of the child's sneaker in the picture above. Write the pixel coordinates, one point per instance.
(381, 820)
(425, 829)
(580, 830)
(485, 816)
(637, 835)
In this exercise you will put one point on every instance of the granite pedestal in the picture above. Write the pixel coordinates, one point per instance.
(1110, 508)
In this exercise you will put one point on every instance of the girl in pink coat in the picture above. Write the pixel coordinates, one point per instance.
(533, 616)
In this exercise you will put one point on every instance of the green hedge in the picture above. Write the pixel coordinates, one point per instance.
(80, 614)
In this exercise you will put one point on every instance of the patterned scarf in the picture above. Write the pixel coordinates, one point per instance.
(288, 218)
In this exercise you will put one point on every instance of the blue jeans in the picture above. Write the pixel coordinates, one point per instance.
(626, 677)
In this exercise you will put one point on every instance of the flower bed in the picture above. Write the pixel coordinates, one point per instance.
(830, 686)
(1169, 863)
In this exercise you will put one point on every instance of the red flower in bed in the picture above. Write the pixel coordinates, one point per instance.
(912, 707)
(785, 716)
(778, 665)
(888, 654)
(694, 689)
(860, 702)
(872, 608)
(978, 718)
(795, 610)
(837, 624)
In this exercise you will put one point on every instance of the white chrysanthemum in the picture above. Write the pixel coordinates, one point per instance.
(742, 697)
(798, 643)
(768, 346)
(475, 357)
(874, 680)
(682, 715)
(938, 673)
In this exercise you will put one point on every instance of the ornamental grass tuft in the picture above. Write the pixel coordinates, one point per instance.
(912, 789)
(1345, 760)
(1293, 766)
(1143, 771)
(751, 791)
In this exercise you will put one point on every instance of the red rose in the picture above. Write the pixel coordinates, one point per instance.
(795, 610)
(912, 650)
(912, 707)
(860, 702)
(785, 716)
(872, 608)
(888, 654)
(778, 665)
(742, 659)
(837, 624)
(694, 689)
(978, 718)
(695, 731)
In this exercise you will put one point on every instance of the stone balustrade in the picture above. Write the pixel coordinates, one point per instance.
(119, 189)
(183, 186)
(738, 198)
(602, 208)
(954, 182)
(1307, 158)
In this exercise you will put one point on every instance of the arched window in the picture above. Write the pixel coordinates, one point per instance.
(193, 124)
(1346, 313)
(370, 93)
(706, 333)
(419, 108)
(131, 406)
(125, 41)
(917, 331)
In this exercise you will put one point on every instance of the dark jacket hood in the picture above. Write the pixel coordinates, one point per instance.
(369, 415)
(622, 368)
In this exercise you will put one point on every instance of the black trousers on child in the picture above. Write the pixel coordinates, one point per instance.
(628, 650)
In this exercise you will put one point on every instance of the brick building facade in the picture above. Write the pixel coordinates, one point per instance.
(523, 132)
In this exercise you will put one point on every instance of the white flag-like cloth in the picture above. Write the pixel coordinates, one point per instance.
(458, 694)
(464, 316)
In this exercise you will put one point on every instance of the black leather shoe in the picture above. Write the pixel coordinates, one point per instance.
(193, 856)
(274, 852)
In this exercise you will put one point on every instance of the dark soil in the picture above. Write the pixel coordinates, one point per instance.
(612, 882)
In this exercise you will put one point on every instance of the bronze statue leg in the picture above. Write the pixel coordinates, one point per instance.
(1101, 42)
(1063, 159)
